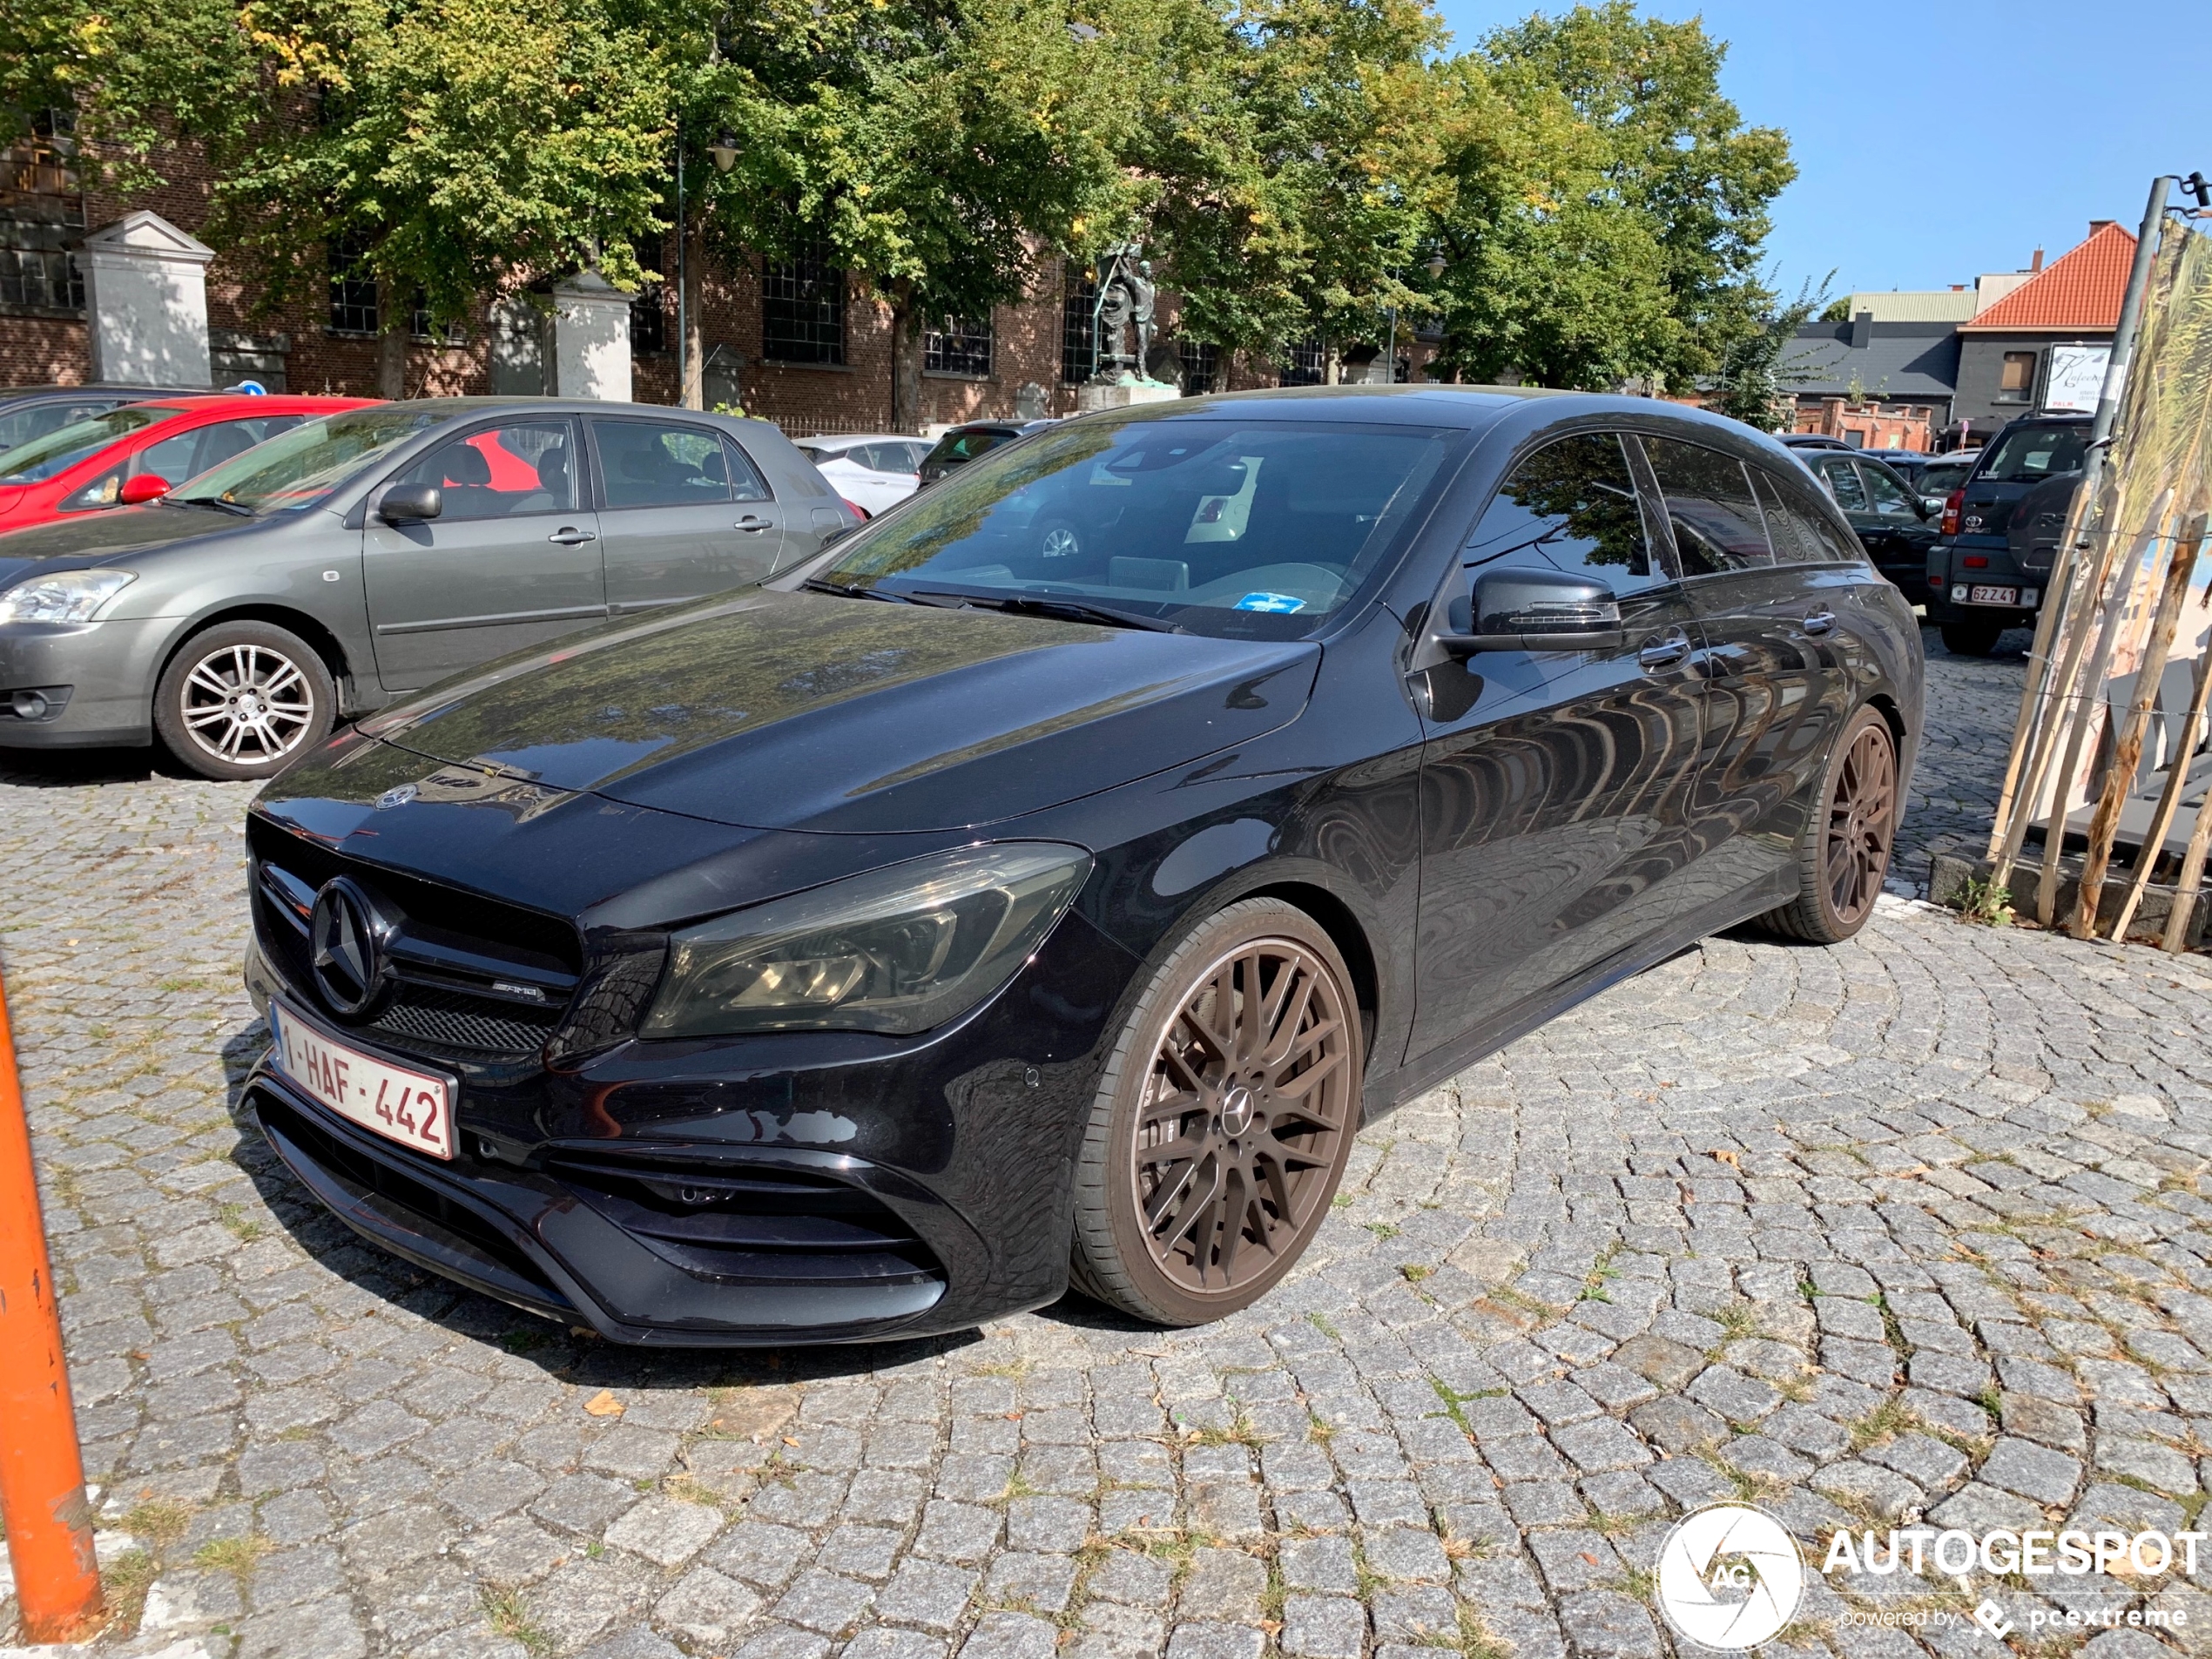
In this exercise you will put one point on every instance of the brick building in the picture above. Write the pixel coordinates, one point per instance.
(800, 343)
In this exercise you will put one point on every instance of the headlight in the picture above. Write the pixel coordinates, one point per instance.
(899, 949)
(68, 595)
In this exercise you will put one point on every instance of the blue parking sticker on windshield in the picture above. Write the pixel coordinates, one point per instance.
(1281, 602)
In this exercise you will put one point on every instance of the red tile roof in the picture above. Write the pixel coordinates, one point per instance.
(2080, 290)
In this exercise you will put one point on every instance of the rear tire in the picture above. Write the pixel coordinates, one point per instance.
(1844, 852)
(244, 700)
(1970, 638)
(1223, 1119)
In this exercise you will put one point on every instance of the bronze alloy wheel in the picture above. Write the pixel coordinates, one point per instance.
(1845, 854)
(1227, 1122)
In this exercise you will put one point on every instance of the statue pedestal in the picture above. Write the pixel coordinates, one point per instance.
(1119, 394)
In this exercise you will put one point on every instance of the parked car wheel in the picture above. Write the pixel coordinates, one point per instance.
(1058, 539)
(1970, 638)
(243, 698)
(1222, 1121)
(1844, 852)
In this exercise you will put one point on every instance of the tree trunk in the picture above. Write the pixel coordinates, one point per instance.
(392, 321)
(906, 364)
(693, 345)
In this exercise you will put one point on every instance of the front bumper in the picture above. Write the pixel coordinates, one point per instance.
(809, 1187)
(109, 667)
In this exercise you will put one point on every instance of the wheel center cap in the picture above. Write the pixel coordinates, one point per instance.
(1236, 1110)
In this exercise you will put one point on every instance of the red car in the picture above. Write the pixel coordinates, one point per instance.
(137, 452)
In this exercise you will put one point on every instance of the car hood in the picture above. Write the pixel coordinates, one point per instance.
(799, 711)
(112, 532)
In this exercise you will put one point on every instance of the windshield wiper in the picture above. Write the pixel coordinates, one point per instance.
(851, 590)
(211, 501)
(1033, 604)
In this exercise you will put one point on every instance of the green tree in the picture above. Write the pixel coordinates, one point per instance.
(1673, 152)
(453, 146)
(1753, 383)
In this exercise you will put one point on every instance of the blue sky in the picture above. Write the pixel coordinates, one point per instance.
(1938, 139)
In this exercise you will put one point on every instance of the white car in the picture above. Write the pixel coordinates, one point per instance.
(871, 470)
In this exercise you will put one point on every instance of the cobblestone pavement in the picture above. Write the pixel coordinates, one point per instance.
(1912, 1226)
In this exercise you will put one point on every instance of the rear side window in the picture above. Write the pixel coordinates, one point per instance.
(966, 446)
(744, 478)
(649, 464)
(20, 426)
(2029, 455)
(1799, 535)
(190, 454)
(1572, 505)
(1716, 519)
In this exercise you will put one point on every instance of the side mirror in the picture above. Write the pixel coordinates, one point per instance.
(1534, 609)
(407, 503)
(147, 486)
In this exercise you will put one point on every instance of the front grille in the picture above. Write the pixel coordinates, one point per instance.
(421, 1017)
(471, 979)
(753, 1224)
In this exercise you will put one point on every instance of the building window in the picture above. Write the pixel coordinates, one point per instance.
(353, 288)
(802, 307)
(961, 347)
(1078, 324)
(649, 319)
(1305, 364)
(1201, 367)
(2016, 380)
(42, 213)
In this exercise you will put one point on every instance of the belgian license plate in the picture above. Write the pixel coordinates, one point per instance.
(1992, 596)
(413, 1108)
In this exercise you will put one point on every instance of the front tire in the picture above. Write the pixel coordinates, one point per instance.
(1224, 1120)
(1844, 852)
(243, 700)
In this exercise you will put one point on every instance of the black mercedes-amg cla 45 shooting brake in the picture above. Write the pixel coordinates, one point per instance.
(1041, 885)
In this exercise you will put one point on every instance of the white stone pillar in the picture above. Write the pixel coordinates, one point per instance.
(591, 339)
(146, 298)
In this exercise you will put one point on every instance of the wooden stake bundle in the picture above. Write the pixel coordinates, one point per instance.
(2169, 800)
(2128, 753)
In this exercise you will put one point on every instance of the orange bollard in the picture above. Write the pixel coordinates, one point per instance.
(42, 1473)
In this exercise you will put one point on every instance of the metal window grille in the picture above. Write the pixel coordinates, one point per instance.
(42, 214)
(1305, 364)
(802, 309)
(961, 347)
(353, 289)
(1201, 367)
(1078, 330)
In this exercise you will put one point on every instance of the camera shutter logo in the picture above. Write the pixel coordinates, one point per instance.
(1729, 1577)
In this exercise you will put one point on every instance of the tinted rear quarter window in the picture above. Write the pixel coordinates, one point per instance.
(1717, 521)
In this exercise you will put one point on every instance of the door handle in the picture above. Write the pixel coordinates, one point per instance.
(1665, 653)
(1820, 622)
(752, 525)
(569, 536)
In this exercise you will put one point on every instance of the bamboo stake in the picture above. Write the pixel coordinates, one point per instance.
(2071, 636)
(2169, 800)
(2113, 598)
(2192, 877)
(2128, 754)
(2057, 589)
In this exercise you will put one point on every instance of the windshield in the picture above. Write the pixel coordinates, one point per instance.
(966, 446)
(298, 468)
(2029, 454)
(58, 451)
(1236, 528)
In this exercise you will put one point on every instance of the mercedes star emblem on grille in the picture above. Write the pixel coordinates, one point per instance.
(348, 948)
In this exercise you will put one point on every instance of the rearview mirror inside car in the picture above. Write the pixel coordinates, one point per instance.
(407, 503)
(1533, 609)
